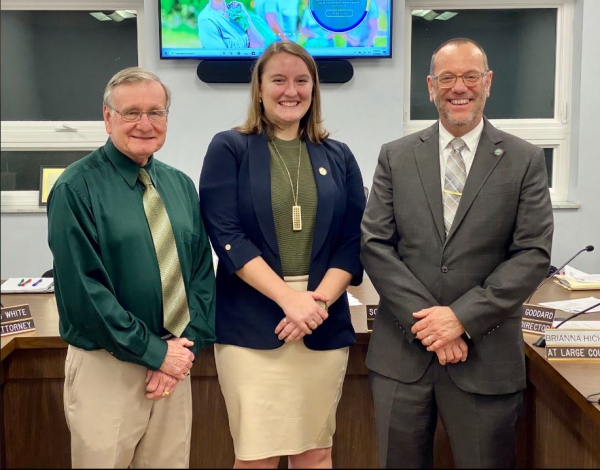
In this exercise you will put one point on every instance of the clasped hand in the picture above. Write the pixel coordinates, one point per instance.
(302, 315)
(440, 331)
(175, 367)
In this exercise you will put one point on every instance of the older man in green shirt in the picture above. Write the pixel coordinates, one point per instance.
(127, 391)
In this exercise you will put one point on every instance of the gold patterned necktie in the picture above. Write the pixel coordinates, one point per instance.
(175, 307)
(454, 183)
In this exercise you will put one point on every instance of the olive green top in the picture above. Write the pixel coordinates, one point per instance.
(294, 246)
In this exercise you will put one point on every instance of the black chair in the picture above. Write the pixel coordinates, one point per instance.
(49, 273)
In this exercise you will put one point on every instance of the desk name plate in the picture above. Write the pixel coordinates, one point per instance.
(572, 344)
(537, 318)
(371, 312)
(16, 319)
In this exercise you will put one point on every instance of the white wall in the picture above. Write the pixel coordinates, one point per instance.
(364, 113)
(574, 230)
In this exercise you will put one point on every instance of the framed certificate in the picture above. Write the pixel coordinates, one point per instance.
(48, 176)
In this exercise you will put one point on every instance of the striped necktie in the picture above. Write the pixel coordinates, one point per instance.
(175, 307)
(456, 175)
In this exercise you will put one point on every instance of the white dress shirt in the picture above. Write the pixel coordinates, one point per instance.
(471, 140)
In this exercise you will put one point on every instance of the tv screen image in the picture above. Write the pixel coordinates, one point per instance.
(242, 29)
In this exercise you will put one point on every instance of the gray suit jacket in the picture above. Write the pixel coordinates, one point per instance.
(497, 252)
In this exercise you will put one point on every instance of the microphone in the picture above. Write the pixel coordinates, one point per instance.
(541, 342)
(558, 270)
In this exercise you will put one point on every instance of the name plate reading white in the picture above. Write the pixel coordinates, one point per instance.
(579, 344)
(16, 319)
(537, 318)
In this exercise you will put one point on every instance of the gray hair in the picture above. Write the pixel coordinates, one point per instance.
(133, 75)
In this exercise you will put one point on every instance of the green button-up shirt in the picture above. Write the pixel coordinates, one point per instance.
(106, 275)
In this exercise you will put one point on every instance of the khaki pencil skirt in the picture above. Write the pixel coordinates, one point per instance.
(281, 401)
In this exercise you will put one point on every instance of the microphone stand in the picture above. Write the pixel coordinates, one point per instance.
(541, 342)
(558, 270)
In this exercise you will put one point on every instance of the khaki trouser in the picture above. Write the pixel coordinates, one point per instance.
(113, 424)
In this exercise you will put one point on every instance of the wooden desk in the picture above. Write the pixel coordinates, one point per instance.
(34, 433)
(559, 428)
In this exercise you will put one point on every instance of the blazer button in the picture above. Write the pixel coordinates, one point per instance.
(228, 247)
(444, 269)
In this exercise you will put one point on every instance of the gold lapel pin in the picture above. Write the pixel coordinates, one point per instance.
(323, 171)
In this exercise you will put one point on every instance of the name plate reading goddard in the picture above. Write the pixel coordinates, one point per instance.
(16, 319)
(579, 344)
(537, 318)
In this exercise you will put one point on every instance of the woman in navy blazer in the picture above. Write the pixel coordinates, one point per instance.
(283, 320)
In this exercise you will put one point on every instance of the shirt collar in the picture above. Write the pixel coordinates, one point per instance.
(128, 169)
(471, 138)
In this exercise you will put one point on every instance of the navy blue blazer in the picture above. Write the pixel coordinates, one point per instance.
(235, 199)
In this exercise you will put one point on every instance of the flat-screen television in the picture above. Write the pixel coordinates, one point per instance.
(241, 29)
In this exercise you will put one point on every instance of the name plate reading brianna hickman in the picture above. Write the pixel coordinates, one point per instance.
(579, 344)
(537, 318)
(371, 312)
(16, 319)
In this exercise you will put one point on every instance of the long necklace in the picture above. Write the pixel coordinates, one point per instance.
(296, 209)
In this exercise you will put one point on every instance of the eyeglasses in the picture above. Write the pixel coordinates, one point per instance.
(470, 79)
(157, 115)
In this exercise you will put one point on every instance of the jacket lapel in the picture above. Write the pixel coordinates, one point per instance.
(259, 162)
(427, 157)
(325, 194)
(483, 164)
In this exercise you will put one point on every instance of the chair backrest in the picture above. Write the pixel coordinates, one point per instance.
(49, 273)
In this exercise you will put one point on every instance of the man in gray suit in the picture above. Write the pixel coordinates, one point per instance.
(456, 234)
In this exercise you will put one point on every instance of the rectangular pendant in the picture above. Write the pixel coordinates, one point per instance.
(296, 218)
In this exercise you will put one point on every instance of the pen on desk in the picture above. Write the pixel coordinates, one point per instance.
(26, 282)
(36, 282)
(21, 282)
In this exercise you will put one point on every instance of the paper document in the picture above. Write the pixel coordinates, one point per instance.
(573, 279)
(353, 300)
(580, 275)
(573, 306)
(26, 285)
